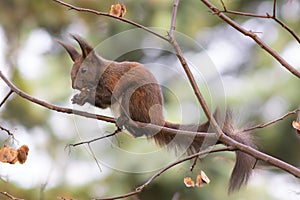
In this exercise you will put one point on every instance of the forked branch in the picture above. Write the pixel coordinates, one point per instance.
(157, 174)
(266, 16)
(252, 35)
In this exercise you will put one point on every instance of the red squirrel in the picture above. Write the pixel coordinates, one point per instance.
(133, 93)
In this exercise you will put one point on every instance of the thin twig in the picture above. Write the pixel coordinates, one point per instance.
(193, 164)
(271, 122)
(10, 196)
(274, 8)
(94, 140)
(6, 97)
(274, 17)
(90, 148)
(94, 157)
(252, 35)
(287, 28)
(174, 16)
(245, 14)
(267, 16)
(7, 131)
(72, 7)
(224, 7)
(157, 174)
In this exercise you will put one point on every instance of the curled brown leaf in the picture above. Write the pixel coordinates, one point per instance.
(118, 10)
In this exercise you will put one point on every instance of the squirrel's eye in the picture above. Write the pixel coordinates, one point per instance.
(83, 70)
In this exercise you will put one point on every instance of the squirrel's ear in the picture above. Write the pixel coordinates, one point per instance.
(74, 54)
(85, 47)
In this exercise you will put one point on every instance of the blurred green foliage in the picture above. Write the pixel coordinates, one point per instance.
(261, 91)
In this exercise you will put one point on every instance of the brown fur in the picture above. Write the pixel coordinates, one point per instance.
(132, 92)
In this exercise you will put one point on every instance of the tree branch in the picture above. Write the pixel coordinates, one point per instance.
(174, 15)
(93, 140)
(271, 122)
(99, 117)
(223, 137)
(71, 7)
(6, 97)
(261, 156)
(252, 35)
(274, 8)
(10, 196)
(267, 16)
(157, 174)
(51, 106)
(7, 131)
(196, 90)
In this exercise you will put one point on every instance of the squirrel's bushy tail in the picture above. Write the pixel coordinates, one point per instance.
(244, 162)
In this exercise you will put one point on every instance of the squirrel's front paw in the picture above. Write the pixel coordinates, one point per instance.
(82, 97)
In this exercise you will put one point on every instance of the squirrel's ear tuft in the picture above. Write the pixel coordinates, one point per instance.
(85, 47)
(74, 54)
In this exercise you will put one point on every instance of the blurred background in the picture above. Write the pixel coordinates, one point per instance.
(230, 68)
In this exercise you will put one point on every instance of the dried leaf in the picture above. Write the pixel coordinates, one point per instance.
(202, 179)
(23, 153)
(11, 156)
(188, 182)
(296, 126)
(8, 155)
(118, 10)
